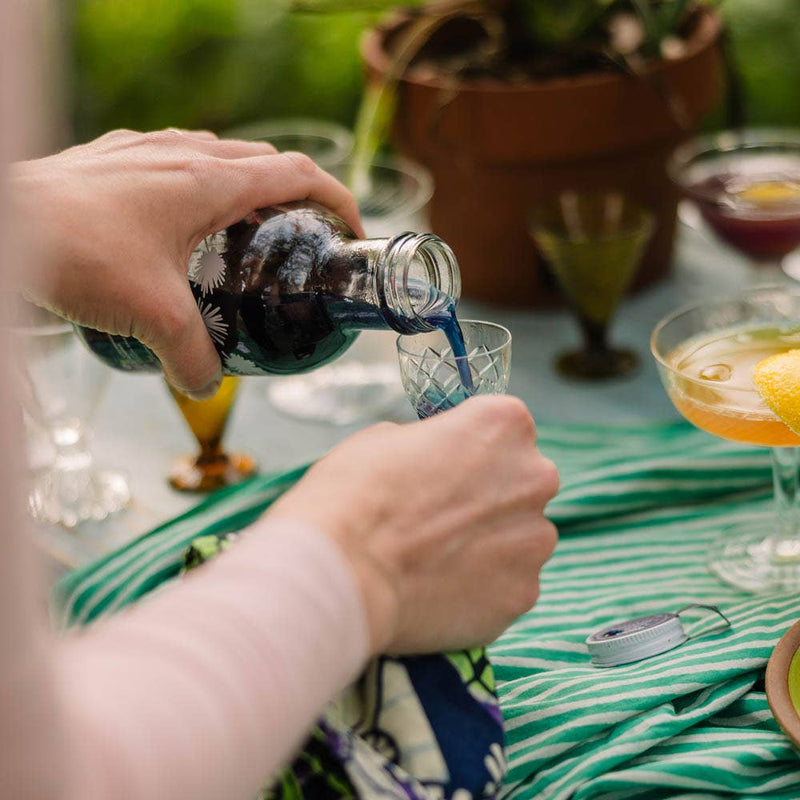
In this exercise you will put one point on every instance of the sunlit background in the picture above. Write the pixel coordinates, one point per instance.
(219, 63)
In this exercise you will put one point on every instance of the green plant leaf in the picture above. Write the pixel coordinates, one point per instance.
(378, 102)
(555, 23)
(375, 115)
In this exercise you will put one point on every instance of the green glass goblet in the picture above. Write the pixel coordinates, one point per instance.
(593, 243)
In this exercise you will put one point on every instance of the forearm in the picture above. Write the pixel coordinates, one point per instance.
(207, 689)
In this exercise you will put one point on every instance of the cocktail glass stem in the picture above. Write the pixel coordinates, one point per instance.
(595, 336)
(213, 467)
(73, 459)
(784, 543)
(211, 453)
(596, 360)
(71, 489)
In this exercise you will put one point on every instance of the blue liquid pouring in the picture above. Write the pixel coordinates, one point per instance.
(441, 312)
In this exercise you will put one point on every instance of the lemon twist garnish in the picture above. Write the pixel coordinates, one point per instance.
(777, 379)
(767, 193)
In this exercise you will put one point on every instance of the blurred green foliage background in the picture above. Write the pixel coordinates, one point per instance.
(147, 64)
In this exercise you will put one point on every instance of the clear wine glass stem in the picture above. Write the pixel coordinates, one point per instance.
(73, 458)
(784, 543)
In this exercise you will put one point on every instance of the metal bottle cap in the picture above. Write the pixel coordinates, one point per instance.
(639, 638)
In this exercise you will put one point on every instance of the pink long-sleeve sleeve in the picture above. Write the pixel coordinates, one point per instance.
(208, 688)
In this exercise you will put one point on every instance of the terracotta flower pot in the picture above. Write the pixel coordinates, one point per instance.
(495, 150)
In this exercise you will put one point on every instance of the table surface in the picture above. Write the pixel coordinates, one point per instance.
(139, 429)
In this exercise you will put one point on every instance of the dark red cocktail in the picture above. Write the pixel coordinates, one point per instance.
(747, 187)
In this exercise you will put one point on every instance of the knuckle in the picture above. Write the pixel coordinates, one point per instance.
(169, 322)
(522, 597)
(119, 134)
(199, 166)
(163, 138)
(301, 163)
(504, 410)
(547, 538)
(548, 478)
(515, 412)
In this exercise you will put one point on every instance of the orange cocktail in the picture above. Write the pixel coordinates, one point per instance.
(711, 383)
(726, 364)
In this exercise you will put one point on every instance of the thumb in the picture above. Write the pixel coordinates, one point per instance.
(178, 336)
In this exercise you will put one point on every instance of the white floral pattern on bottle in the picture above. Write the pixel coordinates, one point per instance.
(206, 265)
(215, 325)
(238, 365)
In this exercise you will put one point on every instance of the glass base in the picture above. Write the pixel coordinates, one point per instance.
(340, 394)
(744, 558)
(65, 498)
(189, 474)
(592, 366)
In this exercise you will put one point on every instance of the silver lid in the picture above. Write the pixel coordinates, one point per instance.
(635, 639)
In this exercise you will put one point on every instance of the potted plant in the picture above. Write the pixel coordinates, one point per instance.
(508, 102)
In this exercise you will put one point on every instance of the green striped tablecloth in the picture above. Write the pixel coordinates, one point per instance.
(637, 511)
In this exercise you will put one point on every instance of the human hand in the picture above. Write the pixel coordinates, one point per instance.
(441, 521)
(117, 219)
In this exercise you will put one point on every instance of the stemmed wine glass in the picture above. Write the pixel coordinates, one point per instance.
(433, 377)
(213, 467)
(62, 385)
(593, 243)
(706, 355)
(746, 186)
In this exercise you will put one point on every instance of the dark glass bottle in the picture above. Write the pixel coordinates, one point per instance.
(288, 288)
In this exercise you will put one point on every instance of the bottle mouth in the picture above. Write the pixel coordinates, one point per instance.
(421, 281)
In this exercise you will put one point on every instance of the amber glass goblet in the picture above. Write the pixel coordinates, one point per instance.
(213, 467)
(593, 243)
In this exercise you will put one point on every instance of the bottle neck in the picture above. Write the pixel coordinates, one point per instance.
(413, 279)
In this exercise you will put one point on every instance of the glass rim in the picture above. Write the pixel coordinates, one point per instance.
(726, 141)
(257, 130)
(644, 223)
(507, 338)
(695, 306)
(50, 329)
(402, 166)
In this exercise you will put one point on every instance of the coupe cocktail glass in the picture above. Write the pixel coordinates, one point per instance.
(213, 467)
(746, 186)
(432, 375)
(593, 244)
(706, 354)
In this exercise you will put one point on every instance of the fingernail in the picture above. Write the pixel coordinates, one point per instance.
(208, 391)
